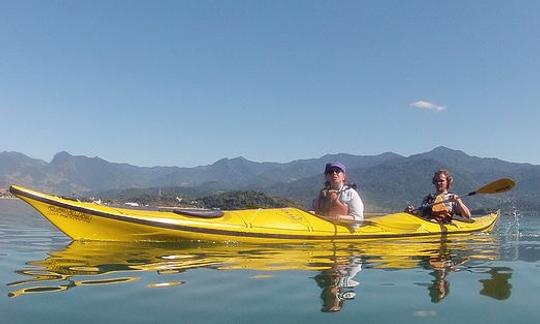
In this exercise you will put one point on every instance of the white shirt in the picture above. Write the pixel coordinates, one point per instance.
(351, 198)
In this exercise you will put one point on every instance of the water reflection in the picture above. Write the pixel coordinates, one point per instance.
(498, 286)
(338, 267)
(442, 263)
(338, 283)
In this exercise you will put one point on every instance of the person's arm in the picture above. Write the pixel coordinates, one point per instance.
(420, 211)
(412, 210)
(462, 209)
(315, 206)
(356, 206)
(345, 219)
(341, 217)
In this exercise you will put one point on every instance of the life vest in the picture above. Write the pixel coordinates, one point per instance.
(440, 211)
(329, 204)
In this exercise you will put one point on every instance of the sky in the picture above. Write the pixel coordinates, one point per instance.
(186, 83)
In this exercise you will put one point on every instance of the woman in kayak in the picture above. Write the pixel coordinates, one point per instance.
(338, 201)
(443, 204)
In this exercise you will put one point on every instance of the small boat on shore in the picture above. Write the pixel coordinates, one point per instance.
(95, 222)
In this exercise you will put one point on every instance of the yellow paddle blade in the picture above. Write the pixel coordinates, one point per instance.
(497, 186)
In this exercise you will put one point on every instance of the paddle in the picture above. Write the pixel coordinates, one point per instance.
(497, 186)
(494, 187)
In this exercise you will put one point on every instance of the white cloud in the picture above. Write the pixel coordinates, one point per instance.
(422, 104)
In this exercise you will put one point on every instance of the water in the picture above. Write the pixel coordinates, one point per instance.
(478, 278)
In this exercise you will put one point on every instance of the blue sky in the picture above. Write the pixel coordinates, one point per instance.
(186, 83)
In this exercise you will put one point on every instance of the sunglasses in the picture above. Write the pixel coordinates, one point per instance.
(440, 180)
(335, 170)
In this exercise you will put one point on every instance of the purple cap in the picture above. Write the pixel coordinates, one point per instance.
(336, 164)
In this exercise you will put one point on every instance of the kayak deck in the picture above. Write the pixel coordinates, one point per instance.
(92, 221)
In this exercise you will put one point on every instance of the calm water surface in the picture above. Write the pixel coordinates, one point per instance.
(46, 278)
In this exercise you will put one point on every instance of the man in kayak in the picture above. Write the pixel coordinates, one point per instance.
(339, 201)
(442, 205)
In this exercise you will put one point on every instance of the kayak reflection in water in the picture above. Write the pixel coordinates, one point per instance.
(339, 201)
(442, 205)
(338, 283)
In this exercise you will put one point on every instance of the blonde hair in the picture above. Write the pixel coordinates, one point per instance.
(447, 174)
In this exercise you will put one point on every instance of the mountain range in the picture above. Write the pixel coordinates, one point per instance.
(385, 182)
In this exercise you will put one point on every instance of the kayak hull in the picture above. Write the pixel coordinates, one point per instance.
(96, 222)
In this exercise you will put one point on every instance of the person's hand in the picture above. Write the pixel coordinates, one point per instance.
(333, 195)
(409, 209)
(332, 217)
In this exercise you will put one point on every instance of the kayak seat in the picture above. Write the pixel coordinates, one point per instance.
(205, 213)
(70, 198)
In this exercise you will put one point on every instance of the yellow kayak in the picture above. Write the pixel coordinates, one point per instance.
(96, 222)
